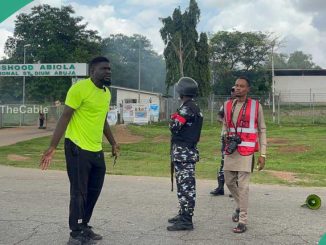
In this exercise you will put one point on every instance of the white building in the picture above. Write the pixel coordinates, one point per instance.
(137, 106)
(300, 85)
(128, 95)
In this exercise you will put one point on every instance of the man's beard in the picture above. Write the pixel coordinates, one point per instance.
(106, 83)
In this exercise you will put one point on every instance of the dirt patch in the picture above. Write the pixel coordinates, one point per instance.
(294, 149)
(123, 135)
(277, 141)
(287, 176)
(161, 139)
(19, 158)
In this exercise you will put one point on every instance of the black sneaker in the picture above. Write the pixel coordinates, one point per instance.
(91, 234)
(80, 239)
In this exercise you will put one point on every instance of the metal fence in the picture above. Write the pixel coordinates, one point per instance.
(18, 115)
(290, 109)
(299, 109)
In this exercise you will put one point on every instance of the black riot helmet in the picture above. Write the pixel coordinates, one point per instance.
(187, 86)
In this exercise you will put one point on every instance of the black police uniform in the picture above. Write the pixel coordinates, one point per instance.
(185, 126)
(220, 171)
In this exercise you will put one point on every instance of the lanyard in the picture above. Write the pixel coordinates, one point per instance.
(243, 108)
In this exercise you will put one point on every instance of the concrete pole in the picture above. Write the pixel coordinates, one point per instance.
(24, 79)
(139, 71)
(273, 82)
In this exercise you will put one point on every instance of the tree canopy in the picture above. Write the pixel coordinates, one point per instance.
(53, 35)
(126, 53)
(184, 54)
(239, 53)
(295, 60)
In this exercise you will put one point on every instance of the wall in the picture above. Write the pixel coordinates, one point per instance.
(144, 98)
(302, 89)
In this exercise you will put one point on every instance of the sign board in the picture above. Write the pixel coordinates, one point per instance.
(154, 110)
(141, 114)
(112, 117)
(128, 112)
(56, 69)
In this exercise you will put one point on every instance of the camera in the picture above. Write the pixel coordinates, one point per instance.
(232, 143)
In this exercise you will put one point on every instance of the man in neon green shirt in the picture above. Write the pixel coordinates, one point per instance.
(84, 121)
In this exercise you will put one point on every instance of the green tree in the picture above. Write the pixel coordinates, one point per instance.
(239, 53)
(255, 50)
(202, 65)
(183, 50)
(125, 52)
(55, 36)
(296, 60)
(300, 60)
(280, 61)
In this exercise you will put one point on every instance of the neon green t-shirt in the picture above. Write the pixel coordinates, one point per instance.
(91, 105)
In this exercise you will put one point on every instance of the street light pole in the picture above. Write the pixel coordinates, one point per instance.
(139, 71)
(24, 79)
(273, 82)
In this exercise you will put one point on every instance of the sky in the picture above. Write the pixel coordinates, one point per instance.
(300, 24)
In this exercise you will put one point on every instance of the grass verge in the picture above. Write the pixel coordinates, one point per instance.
(295, 154)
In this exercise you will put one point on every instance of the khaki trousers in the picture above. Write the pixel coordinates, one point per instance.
(238, 184)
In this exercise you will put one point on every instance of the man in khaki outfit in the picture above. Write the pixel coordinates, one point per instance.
(246, 133)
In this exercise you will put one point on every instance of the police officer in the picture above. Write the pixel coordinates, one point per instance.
(185, 126)
(219, 191)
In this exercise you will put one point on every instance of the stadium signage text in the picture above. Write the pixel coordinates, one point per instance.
(62, 69)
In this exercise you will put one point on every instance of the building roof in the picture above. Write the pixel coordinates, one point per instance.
(300, 72)
(135, 90)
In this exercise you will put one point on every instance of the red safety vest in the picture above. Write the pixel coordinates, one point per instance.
(246, 128)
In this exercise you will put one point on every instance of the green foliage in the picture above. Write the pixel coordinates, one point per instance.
(296, 60)
(55, 36)
(260, 80)
(280, 61)
(202, 68)
(185, 55)
(124, 52)
(239, 53)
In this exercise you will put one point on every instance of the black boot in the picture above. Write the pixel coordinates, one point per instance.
(174, 219)
(184, 223)
(219, 191)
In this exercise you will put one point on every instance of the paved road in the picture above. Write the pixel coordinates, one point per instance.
(9, 136)
(134, 210)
